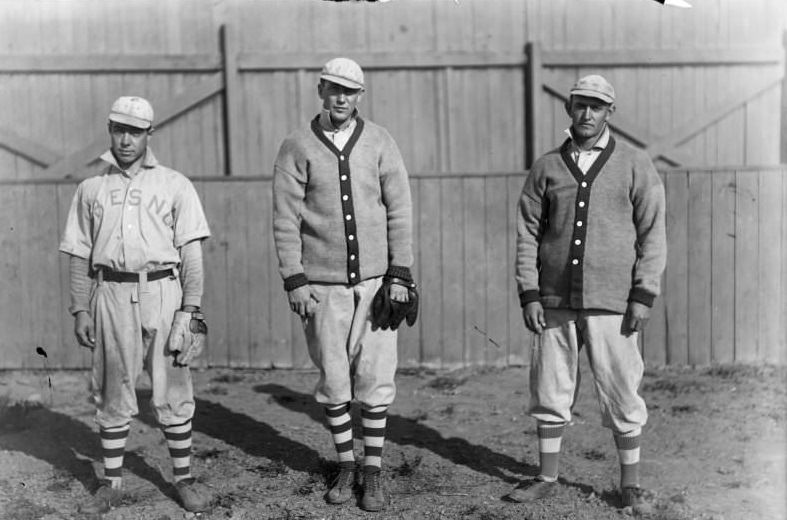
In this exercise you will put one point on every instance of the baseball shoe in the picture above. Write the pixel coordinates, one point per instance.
(532, 490)
(193, 496)
(633, 497)
(373, 495)
(342, 489)
(102, 500)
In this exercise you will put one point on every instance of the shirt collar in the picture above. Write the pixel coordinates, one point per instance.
(149, 161)
(327, 125)
(600, 143)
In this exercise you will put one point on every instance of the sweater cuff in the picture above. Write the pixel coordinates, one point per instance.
(531, 295)
(395, 271)
(642, 296)
(295, 281)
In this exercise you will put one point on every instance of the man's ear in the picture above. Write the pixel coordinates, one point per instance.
(320, 90)
(610, 111)
(567, 106)
(151, 130)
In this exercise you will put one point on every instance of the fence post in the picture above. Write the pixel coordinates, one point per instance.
(233, 111)
(534, 85)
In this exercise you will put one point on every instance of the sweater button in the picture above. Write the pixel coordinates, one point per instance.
(581, 203)
(341, 157)
(352, 275)
(348, 217)
(575, 261)
(345, 197)
(577, 241)
(584, 184)
(351, 237)
(579, 223)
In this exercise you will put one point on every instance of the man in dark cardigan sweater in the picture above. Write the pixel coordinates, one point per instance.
(591, 248)
(343, 229)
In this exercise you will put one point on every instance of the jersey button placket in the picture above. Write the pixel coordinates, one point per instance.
(577, 249)
(350, 232)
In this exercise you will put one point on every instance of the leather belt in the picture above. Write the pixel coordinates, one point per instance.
(119, 276)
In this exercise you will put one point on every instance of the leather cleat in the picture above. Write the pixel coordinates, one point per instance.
(635, 498)
(102, 500)
(193, 495)
(342, 489)
(373, 495)
(532, 490)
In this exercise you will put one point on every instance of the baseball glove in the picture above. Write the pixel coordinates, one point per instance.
(388, 314)
(187, 337)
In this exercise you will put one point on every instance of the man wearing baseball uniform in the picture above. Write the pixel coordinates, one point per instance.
(133, 236)
(590, 251)
(342, 226)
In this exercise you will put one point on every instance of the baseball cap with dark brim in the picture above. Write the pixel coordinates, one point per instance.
(343, 71)
(594, 86)
(132, 111)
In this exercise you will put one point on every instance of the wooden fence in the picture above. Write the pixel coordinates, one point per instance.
(724, 295)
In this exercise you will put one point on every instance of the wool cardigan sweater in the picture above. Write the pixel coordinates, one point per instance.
(341, 216)
(594, 240)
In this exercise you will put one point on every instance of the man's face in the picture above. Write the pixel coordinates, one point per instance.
(588, 116)
(338, 100)
(128, 143)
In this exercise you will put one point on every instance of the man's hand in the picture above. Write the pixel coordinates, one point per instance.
(83, 329)
(534, 317)
(303, 301)
(399, 293)
(636, 317)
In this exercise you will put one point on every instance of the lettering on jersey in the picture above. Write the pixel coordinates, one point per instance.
(154, 205)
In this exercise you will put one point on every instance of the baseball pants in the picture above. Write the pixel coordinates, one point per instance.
(132, 322)
(614, 359)
(354, 360)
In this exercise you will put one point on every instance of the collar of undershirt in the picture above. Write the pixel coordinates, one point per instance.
(318, 132)
(601, 160)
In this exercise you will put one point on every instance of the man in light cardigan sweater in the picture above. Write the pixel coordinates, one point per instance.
(343, 228)
(591, 248)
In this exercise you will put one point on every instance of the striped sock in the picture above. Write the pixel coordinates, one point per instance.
(113, 448)
(341, 425)
(549, 439)
(373, 421)
(178, 438)
(628, 453)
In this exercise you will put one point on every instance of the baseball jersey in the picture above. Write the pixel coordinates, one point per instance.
(137, 223)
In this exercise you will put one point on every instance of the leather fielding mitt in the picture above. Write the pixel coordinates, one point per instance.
(388, 314)
(187, 337)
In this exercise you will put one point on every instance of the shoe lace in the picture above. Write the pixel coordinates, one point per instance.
(372, 482)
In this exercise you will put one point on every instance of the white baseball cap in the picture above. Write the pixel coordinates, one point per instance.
(594, 86)
(132, 111)
(343, 71)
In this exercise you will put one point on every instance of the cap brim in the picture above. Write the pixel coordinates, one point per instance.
(124, 119)
(592, 93)
(342, 81)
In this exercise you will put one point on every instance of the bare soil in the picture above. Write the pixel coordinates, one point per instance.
(458, 442)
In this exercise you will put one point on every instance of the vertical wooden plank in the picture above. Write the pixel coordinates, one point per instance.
(409, 338)
(40, 275)
(233, 102)
(452, 259)
(430, 259)
(475, 282)
(723, 266)
(675, 293)
(499, 271)
(771, 329)
(12, 319)
(258, 239)
(699, 267)
(216, 298)
(782, 358)
(237, 274)
(519, 338)
(746, 258)
(533, 114)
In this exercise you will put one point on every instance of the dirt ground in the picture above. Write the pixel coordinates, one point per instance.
(714, 448)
